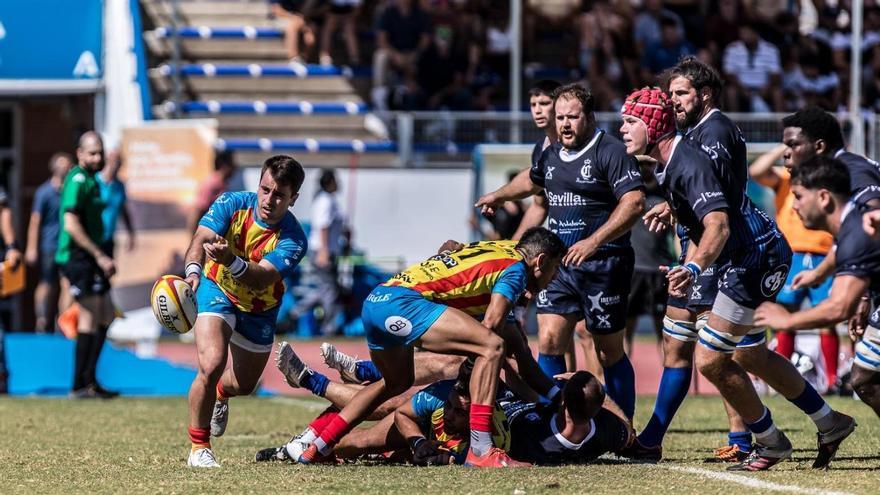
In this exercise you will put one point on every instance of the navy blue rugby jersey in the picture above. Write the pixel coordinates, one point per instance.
(583, 186)
(864, 176)
(694, 186)
(857, 254)
(724, 142)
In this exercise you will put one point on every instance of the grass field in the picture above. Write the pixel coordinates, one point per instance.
(140, 446)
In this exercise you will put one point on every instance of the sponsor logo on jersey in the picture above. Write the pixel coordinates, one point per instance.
(398, 325)
(773, 280)
(630, 175)
(548, 174)
(566, 199)
(706, 196)
(586, 173)
(377, 298)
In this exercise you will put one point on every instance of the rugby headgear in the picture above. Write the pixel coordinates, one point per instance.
(651, 106)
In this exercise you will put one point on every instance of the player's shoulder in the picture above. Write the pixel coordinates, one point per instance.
(853, 160)
(291, 228)
(439, 390)
(236, 199)
(608, 144)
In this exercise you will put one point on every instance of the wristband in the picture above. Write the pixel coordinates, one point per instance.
(13, 245)
(694, 269)
(237, 267)
(193, 268)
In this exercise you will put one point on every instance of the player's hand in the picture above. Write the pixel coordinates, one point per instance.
(449, 246)
(807, 279)
(579, 252)
(772, 315)
(427, 454)
(31, 256)
(679, 279)
(193, 281)
(859, 321)
(106, 264)
(871, 224)
(218, 250)
(489, 204)
(659, 218)
(13, 257)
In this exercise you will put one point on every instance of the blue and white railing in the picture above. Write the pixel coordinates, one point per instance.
(261, 107)
(206, 32)
(292, 69)
(307, 145)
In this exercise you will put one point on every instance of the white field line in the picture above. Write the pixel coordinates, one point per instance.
(749, 481)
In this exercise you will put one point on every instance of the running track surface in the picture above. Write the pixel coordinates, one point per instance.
(645, 359)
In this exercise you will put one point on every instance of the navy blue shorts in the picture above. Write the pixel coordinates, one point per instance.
(702, 292)
(598, 289)
(750, 279)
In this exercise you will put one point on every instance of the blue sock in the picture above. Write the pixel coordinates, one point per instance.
(366, 371)
(743, 439)
(764, 430)
(551, 364)
(620, 382)
(316, 383)
(815, 407)
(674, 387)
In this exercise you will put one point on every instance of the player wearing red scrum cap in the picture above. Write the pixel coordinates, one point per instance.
(754, 258)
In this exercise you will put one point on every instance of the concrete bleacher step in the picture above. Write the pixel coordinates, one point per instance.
(214, 13)
(210, 42)
(258, 131)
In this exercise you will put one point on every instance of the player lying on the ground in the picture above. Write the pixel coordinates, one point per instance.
(419, 306)
(822, 200)
(726, 227)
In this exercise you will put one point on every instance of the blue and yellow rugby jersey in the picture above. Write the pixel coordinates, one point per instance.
(467, 278)
(233, 216)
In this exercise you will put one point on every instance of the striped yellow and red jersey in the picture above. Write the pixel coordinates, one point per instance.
(466, 279)
(233, 216)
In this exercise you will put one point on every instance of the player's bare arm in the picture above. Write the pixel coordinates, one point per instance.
(715, 235)
(520, 187)
(195, 255)
(816, 276)
(629, 209)
(424, 452)
(846, 293)
(534, 216)
(762, 169)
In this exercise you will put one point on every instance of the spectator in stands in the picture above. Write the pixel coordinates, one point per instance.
(11, 258)
(806, 86)
(753, 71)
(722, 26)
(647, 28)
(325, 245)
(607, 47)
(42, 242)
(344, 13)
(115, 203)
(664, 54)
(442, 74)
(292, 18)
(215, 185)
(404, 31)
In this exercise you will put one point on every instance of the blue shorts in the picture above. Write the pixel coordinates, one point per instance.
(598, 289)
(795, 297)
(397, 317)
(253, 332)
(704, 289)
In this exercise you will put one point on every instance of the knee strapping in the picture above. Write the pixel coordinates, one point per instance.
(684, 331)
(718, 341)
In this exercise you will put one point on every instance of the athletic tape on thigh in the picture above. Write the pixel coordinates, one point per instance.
(732, 311)
(868, 350)
(757, 336)
(679, 330)
(702, 320)
(240, 340)
(719, 341)
(228, 318)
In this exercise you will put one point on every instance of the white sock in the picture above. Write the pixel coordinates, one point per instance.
(481, 442)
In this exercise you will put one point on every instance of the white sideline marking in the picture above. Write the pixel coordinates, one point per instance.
(306, 403)
(749, 481)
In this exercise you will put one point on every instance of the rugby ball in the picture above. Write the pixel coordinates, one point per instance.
(174, 303)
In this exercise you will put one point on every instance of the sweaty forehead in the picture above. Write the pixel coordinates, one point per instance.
(568, 105)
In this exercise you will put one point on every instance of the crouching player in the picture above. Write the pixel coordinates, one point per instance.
(248, 242)
(821, 188)
(434, 305)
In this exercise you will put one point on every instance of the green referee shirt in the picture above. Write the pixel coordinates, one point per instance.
(81, 195)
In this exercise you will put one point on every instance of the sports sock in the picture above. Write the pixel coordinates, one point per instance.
(674, 385)
(84, 345)
(814, 406)
(742, 439)
(98, 340)
(830, 344)
(481, 428)
(765, 430)
(551, 364)
(366, 371)
(331, 434)
(200, 438)
(221, 392)
(316, 383)
(318, 424)
(620, 383)
(785, 344)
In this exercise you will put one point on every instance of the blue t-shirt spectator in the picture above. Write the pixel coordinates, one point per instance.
(113, 195)
(46, 203)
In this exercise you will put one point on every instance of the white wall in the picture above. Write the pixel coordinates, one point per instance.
(397, 212)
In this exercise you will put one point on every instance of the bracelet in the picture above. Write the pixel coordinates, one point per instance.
(694, 269)
(193, 268)
(237, 267)
(13, 245)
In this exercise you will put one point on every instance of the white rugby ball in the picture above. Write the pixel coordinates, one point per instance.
(174, 304)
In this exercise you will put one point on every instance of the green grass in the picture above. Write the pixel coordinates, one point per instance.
(140, 446)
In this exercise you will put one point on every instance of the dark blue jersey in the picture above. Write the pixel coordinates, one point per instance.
(857, 254)
(535, 437)
(695, 184)
(539, 148)
(724, 142)
(864, 176)
(583, 187)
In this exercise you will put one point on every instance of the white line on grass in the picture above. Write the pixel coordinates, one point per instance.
(304, 403)
(749, 481)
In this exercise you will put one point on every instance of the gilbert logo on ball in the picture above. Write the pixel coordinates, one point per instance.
(174, 304)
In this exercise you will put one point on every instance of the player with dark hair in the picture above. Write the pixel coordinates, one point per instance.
(754, 260)
(248, 242)
(435, 304)
(822, 198)
(694, 92)
(596, 194)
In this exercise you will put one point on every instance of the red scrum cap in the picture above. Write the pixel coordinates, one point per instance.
(653, 107)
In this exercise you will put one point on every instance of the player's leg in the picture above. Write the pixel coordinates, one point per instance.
(105, 314)
(516, 345)
(86, 324)
(379, 438)
(588, 349)
(212, 334)
(554, 334)
(430, 367)
(866, 368)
